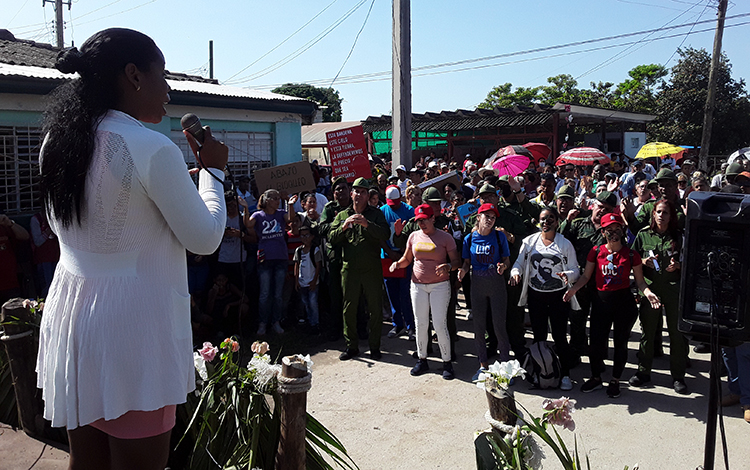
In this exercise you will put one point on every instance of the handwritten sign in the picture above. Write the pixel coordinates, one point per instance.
(348, 153)
(439, 182)
(466, 210)
(292, 178)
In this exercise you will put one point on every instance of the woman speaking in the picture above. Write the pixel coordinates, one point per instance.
(115, 354)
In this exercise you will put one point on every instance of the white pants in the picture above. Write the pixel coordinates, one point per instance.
(435, 298)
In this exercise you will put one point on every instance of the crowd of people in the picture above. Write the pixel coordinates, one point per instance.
(566, 245)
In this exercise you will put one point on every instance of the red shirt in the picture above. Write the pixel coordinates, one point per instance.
(612, 271)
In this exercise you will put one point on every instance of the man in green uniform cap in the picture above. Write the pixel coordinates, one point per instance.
(584, 233)
(359, 230)
(667, 181)
(341, 200)
(514, 229)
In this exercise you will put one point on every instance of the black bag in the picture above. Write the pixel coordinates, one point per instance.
(542, 366)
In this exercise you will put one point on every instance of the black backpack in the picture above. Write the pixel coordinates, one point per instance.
(542, 366)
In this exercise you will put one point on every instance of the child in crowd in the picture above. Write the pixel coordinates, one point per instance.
(307, 265)
(226, 305)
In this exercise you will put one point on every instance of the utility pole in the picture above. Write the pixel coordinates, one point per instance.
(401, 85)
(708, 112)
(58, 19)
(210, 59)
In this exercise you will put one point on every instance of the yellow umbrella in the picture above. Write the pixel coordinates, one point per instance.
(659, 149)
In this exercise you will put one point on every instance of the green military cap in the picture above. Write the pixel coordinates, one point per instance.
(734, 169)
(361, 183)
(608, 198)
(504, 178)
(338, 181)
(665, 174)
(566, 191)
(487, 188)
(432, 194)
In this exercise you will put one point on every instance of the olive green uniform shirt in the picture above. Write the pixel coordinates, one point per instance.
(360, 246)
(665, 247)
(584, 235)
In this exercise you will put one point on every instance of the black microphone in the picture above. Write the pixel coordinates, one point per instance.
(192, 124)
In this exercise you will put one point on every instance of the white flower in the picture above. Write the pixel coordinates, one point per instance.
(307, 362)
(511, 369)
(200, 365)
(264, 370)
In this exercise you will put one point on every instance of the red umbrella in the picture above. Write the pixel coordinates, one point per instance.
(509, 150)
(538, 150)
(583, 156)
(511, 165)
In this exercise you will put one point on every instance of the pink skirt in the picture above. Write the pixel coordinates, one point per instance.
(139, 424)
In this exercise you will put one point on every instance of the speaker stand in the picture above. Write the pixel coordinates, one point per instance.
(713, 397)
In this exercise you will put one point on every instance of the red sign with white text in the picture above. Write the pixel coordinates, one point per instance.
(348, 153)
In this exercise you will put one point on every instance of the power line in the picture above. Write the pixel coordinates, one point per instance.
(97, 9)
(376, 77)
(304, 48)
(354, 44)
(387, 74)
(282, 42)
(685, 38)
(19, 11)
(118, 13)
(620, 53)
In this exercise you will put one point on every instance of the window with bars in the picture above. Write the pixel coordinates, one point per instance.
(19, 170)
(248, 151)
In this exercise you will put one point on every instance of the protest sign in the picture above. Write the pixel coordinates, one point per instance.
(348, 153)
(466, 210)
(440, 181)
(292, 178)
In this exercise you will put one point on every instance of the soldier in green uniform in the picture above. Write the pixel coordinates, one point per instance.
(584, 233)
(513, 197)
(659, 247)
(359, 230)
(514, 229)
(667, 181)
(341, 200)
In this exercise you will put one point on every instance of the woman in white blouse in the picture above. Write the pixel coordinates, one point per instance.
(546, 264)
(115, 353)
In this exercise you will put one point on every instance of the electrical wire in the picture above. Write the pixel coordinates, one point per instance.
(97, 9)
(19, 11)
(282, 42)
(356, 79)
(524, 52)
(686, 36)
(304, 48)
(620, 54)
(118, 13)
(354, 44)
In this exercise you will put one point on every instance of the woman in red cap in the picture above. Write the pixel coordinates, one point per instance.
(434, 254)
(614, 304)
(485, 249)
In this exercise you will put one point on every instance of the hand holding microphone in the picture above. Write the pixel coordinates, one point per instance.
(209, 152)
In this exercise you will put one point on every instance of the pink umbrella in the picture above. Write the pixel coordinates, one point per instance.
(509, 150)
(511, 165)
(538, 150)
(583, 156)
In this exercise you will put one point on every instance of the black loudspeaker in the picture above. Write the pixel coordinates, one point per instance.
(716, 267)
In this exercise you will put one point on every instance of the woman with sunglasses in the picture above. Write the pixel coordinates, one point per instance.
(613, 306)
(485, 249)
(546, 264)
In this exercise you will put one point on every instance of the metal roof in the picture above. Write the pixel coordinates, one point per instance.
(315, 134)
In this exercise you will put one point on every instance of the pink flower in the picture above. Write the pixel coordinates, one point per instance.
(235, 346)
(208, 353)
(259, 348)
(559, 412)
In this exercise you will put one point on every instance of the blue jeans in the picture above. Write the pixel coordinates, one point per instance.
(310, 300)
(737, 361)
(400, 297)
(271, 275)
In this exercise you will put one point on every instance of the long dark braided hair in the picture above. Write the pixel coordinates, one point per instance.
(76, 108)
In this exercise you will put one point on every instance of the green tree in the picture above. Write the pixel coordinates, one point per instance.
(680, 104)
(638, 93)
(324, 96)
(563, 88)
(504, 97)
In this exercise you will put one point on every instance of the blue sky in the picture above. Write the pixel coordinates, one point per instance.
(443, 31)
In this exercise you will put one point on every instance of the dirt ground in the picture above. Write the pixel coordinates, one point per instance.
(388, 419)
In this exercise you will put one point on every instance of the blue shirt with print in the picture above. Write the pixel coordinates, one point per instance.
(485, 252)
(404, 212)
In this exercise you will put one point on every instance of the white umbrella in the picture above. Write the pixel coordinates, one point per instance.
(744, 152)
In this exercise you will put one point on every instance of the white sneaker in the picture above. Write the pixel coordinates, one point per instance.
(261, 329)
(566, 384)
(277, 328)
